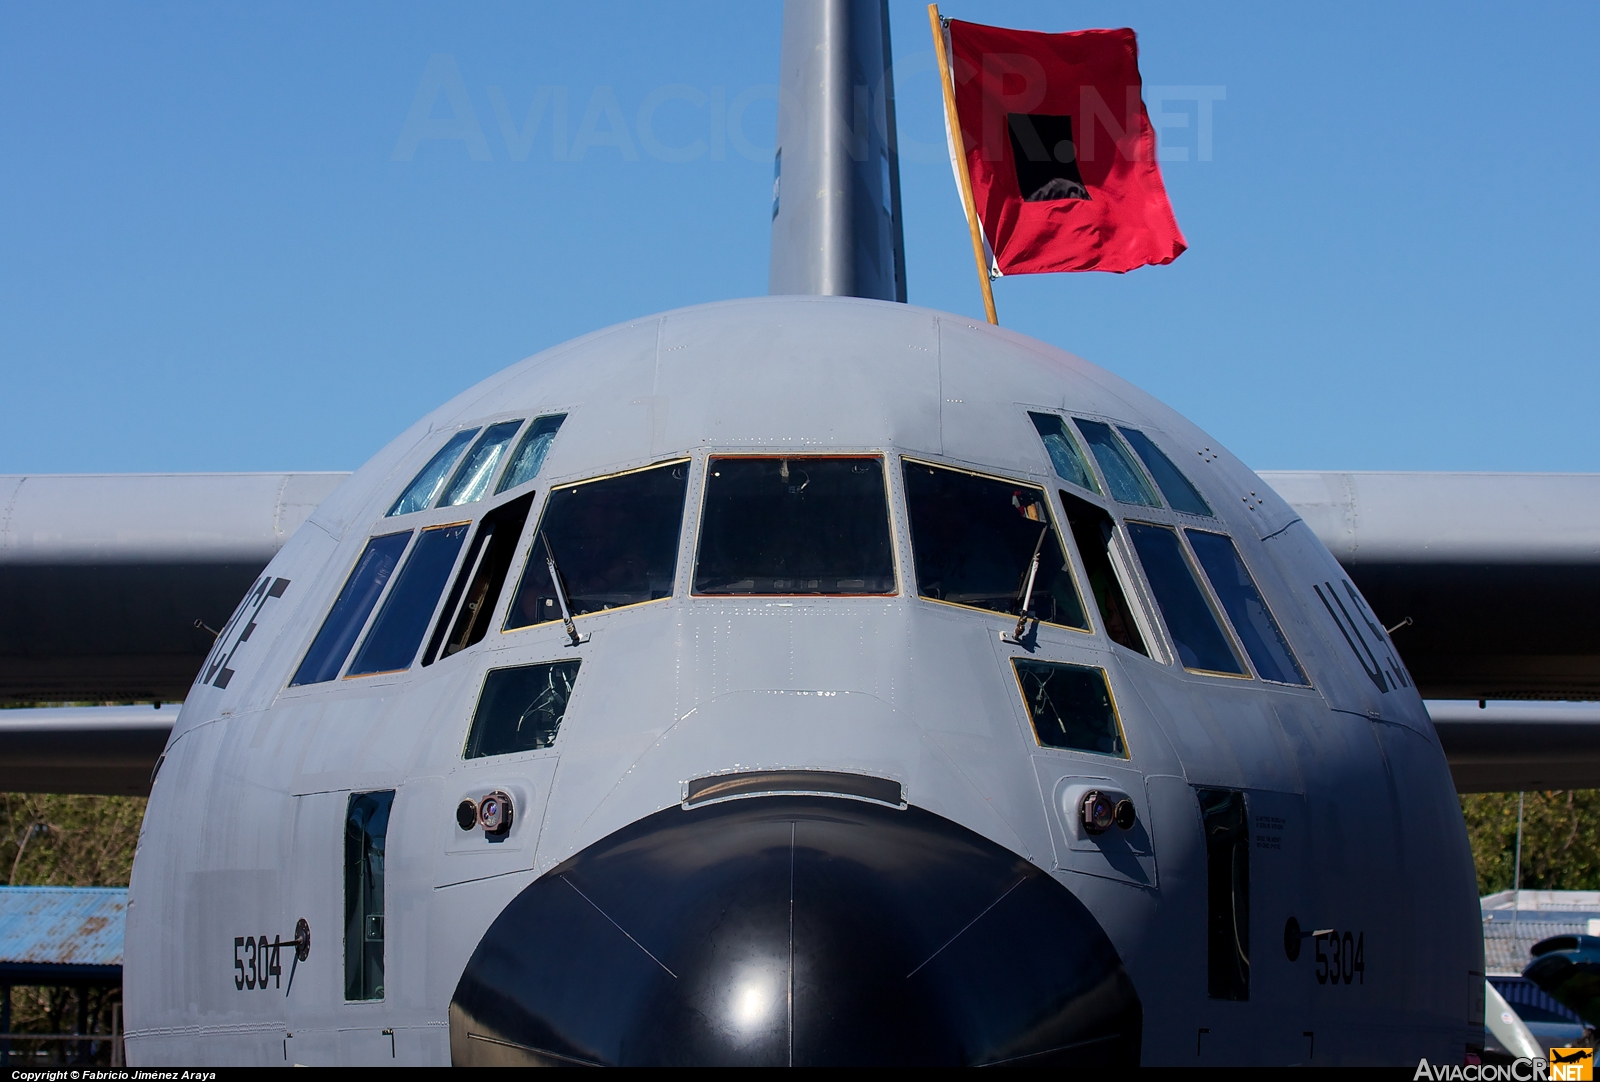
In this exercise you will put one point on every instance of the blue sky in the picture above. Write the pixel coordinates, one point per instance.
(217, 253)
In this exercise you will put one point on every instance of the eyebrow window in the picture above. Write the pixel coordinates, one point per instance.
(351, 609)
(529, 456)
(1093, 531)
(419, 494)
(1200, 640)
(403, 619)
(478, 584)
(1069, 706)
(806, 525)
(471, 481)
(521, 709)
(1063, 451)
(1241, 600)
(974, 540)
(1122, 474)
(1179, 490)
(615, 543)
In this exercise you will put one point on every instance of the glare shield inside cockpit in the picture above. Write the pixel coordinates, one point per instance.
(800, 525)
(974, 540)
(613, 541)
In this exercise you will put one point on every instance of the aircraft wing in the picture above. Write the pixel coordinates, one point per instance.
(103, 577)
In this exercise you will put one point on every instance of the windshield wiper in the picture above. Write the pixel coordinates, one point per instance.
(561, 592)
(1025, 593)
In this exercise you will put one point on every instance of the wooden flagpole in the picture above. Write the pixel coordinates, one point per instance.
(959, 143)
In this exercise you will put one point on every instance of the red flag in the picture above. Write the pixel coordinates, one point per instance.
(1060, 150)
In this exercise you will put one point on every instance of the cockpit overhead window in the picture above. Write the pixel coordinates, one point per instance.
(1200, 641)
(1070, 706)
(1123, 476)
(529, 457)
(521, 709)
(796, 525)
(974, 539)
(419, 494)
(1241, 600)
(403, 620)
(471, 481)
(614, 542)
(1179, 490)
(1063, 451)
(351, 609)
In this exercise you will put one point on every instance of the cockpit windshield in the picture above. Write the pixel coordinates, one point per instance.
(799, 525)
(614, 540)
(975, 538)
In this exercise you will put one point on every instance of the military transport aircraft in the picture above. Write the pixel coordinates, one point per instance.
(802, 680)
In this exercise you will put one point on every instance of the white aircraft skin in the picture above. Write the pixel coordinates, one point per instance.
(1354, 824)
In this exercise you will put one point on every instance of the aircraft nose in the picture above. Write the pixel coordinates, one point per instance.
(798, 931)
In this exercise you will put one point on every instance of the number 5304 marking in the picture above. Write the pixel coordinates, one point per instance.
(256, 961)
(1341, 958)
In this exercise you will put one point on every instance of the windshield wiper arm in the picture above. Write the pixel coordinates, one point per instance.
(561, 592)
(1025, 591)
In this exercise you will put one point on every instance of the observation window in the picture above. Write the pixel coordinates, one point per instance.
(479, 582)
(403, 619)
(1063, 451)
(799, 525)
(471, 481)
(529, 457)
(1241, 600)
(1199, 639)
(974, 539)
(1070, 706)
(419, 494)
(1123, 476)
(1224, 819)
(614, 542)
(351, 609)
(1179, 490)
(521, 709)
(1094, 533)
(366, 830)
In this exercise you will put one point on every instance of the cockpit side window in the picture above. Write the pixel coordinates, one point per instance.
(530, 453)
(472, 480)
(403, 620)
(1200, 641)
(351, 609)
(614, 542)
(1241, 600)
(521, 709)
(1070, 706)
(1179, 490)
(1123, 476)
(1063, 451)
(974, 538)
(419, 494)
(477, 588)
(1094, 531)
(796, 525)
